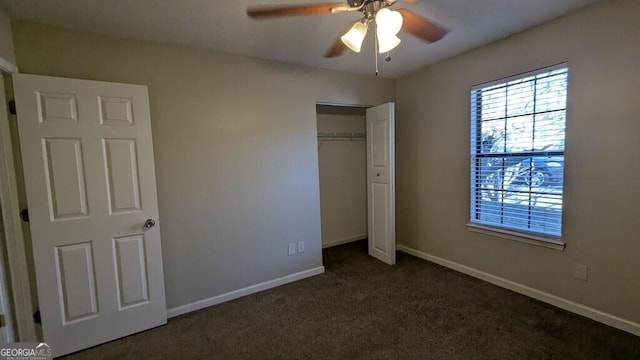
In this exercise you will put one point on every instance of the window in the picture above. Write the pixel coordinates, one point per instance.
(517, 153)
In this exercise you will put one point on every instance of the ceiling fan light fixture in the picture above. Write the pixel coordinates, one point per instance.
(355, 36)
(387, 43)
(388, 25)
(388, 21)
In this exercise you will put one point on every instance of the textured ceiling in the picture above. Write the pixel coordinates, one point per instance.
(224, 26)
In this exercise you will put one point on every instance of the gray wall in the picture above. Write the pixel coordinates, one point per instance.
(235, 148)
(602, 193)
(343, 179)
(6, 39)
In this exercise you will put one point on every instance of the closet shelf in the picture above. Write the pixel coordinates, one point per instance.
(329, 136)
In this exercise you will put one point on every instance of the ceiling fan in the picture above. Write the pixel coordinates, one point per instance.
(388, 23)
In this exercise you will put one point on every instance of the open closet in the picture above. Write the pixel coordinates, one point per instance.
(342, 162)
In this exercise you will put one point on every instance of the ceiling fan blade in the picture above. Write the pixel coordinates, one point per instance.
(335, 50)
(420, 27)
(275, 11)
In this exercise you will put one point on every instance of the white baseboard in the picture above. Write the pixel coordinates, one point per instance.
(591, 313)
(201, 304)
(344, 241)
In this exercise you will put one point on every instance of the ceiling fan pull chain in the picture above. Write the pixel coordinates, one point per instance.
(375, 50)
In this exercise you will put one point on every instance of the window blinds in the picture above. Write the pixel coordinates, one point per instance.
(517, 152)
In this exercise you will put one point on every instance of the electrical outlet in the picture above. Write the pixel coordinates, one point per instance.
(300, 246)
(292, 249)
(580, 271)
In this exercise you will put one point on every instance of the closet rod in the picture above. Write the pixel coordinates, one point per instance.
(341, 135)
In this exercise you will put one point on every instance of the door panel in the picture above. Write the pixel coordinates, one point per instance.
(76, 280)
(122, 175)
(381, 182)
(56, 107)
(115, 111)
(131, 267)
(90, 181)
(380, 217)
(380, 137)
(65, 178)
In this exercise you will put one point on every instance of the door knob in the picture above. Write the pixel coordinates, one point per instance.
(149, 223)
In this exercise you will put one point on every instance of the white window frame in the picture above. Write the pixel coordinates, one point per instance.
(475, 224)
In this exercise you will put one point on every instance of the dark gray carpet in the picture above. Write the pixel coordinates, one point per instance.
(363, 309)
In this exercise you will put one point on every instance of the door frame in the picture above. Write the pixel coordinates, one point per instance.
(392, 180)
(358, 236)
(15, 237)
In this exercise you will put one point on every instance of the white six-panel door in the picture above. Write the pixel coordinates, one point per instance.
(381, 182)
(90, 182)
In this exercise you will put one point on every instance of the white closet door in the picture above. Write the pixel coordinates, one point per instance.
(381, 182)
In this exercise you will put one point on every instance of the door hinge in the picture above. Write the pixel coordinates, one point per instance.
(36, 317)
(24, 215)
(2, 322)
(12, 107)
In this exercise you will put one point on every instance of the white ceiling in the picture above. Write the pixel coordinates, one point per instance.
(224, 26)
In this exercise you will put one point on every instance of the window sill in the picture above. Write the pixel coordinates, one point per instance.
(516, 236)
